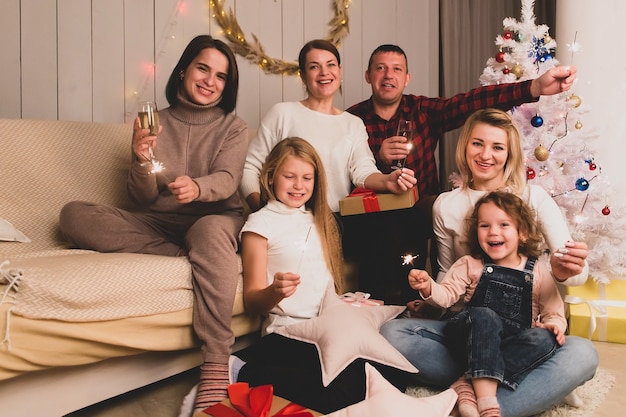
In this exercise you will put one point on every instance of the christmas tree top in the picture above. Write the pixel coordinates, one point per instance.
(559, 148)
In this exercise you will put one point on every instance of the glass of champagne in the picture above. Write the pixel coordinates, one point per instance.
(149, 119)
(405, 128)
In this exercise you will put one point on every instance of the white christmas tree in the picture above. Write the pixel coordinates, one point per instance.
(559, 147)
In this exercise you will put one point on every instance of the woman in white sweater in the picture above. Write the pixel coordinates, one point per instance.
(339, 137)
(490, 157)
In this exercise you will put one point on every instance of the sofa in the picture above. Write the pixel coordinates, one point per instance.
(78, 325)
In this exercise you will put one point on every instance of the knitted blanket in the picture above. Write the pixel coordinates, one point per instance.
(86, 286)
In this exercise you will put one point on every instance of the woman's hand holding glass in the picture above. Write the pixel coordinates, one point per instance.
(145, 131)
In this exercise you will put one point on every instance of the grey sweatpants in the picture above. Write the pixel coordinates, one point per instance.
(209, 241)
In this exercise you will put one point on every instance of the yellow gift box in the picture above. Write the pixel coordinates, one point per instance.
(598, 311)
(362, 201)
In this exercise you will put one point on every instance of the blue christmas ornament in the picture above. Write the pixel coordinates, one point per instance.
(536, 121)
(538, 51)
(582, 184)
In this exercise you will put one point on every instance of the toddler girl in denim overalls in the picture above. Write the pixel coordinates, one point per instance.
(506, 316)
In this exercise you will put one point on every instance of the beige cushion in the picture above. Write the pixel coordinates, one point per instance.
(9, 233)
(343, 333)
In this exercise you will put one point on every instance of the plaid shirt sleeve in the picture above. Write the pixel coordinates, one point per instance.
(433, 117)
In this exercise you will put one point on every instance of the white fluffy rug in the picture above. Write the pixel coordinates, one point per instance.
(592, 393)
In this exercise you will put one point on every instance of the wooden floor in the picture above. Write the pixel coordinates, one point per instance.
(613, 359)
(164, 398)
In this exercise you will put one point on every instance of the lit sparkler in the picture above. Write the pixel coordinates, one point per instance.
(303, 249)
(408, 259)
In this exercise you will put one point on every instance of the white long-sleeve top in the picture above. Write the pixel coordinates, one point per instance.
(451, 208)
(340, 140)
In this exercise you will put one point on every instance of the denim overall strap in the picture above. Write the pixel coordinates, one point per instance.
(508, 292)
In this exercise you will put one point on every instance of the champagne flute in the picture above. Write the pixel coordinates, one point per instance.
(405, 128)
(149, 119)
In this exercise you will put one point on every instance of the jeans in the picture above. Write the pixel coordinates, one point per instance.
(488, 350)
(421, 342)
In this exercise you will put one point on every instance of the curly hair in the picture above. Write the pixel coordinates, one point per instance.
(521, 214)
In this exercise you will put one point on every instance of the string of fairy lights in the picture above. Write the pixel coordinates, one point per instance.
(233, 34)
(254, 51)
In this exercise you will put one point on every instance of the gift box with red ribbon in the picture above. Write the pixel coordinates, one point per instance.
(260, 401)
(362, 200)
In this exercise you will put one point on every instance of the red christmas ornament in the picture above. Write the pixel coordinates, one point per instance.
(506, 70)
(530, 173)
(500, 57)
(507, 35)
(606, 210)
(592, 166)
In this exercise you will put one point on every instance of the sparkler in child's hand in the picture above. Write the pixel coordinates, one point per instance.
(408, 259)
(303, 248)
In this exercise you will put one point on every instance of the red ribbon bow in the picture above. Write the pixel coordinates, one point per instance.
(370, 200)
(253, 402)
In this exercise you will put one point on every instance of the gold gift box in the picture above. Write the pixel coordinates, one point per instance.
(365, 201)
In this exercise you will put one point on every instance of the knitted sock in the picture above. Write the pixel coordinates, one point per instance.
(467, 398)
(489, 407)
(213, 386)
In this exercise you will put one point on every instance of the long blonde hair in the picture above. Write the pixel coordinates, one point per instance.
(514, 170)
(324, 219)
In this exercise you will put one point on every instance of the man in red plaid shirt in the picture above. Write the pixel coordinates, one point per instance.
(388, 75)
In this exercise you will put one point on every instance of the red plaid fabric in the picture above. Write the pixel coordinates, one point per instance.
(433, 117)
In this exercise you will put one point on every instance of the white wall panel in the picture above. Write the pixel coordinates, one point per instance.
(414, 36)
(39, 59)
(74, 60)
(10, 70)
(354, 61)
(293, 39)
(271, 34)
(111, 54)
(248, 16)
(108, 60)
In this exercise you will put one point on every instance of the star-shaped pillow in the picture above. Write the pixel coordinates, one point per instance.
(383, 399)
(342, 333)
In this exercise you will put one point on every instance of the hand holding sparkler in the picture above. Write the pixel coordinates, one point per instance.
(184, 189)
(421, 281)
(285, 284)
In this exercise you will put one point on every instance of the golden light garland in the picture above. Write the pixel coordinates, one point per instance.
(255, 52)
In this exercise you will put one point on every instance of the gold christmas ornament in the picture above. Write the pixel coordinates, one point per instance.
(518, 70)
(575, 100)
(255, 52)
(578, 125)
(547, 38)
(542, 153)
